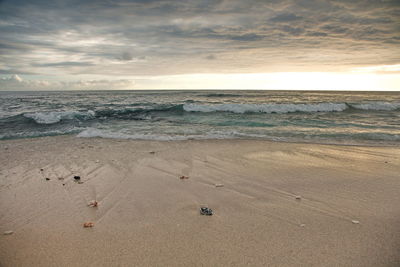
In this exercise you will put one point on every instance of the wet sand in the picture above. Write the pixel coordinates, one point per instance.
(281, 204)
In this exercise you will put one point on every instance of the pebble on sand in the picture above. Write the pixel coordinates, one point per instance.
(47, 179)
(219, 185)
(206, 211)
(183, 177)
(8, 232)
(76, 177)
(355, 221)
(298, 197)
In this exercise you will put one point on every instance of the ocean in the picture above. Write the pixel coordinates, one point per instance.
(287, 116)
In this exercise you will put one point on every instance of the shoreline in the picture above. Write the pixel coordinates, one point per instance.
(311, 142)
(284, 204)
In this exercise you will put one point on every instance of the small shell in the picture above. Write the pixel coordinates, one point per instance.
(8, 232)
(355, 221)
(93, 203)
(88, 224)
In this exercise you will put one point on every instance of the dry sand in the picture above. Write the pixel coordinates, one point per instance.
(147, 216)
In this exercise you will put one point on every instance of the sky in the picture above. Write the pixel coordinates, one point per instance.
(200, 44)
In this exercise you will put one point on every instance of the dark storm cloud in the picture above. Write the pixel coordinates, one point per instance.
(167, 37)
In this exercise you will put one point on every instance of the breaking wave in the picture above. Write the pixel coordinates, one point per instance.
(159, 115)
(384, 106)
(141, 113)
(57, 116)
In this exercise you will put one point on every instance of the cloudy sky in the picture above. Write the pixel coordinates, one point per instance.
(212, 44)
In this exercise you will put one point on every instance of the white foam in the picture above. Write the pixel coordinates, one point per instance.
(384, 106)
(266, 108)
(56, 116)
(93, 132)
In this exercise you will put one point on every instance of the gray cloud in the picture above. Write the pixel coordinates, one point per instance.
(158, 37)
(210, 57)
(125, 56)
(285, 17)
(15, 82)
(64, 64)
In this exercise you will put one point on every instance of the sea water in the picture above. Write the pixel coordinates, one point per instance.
(291, 116)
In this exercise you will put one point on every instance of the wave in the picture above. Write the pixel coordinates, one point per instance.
(289, 108)
(221, 95)
(358, 138)
(57, 116)
(145, 113)
(93, 132)
(33, 133)
(383, 106)
(137, 113)
(266, 108)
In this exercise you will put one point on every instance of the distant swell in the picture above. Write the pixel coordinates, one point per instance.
(266, 108)
(289, 108)
(222, 95)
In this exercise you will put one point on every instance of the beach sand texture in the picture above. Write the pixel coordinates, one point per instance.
(281, 204)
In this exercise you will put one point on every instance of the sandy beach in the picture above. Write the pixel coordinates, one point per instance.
(281, 204)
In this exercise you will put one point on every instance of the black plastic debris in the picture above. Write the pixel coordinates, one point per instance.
(206, 211)
(77, 177)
